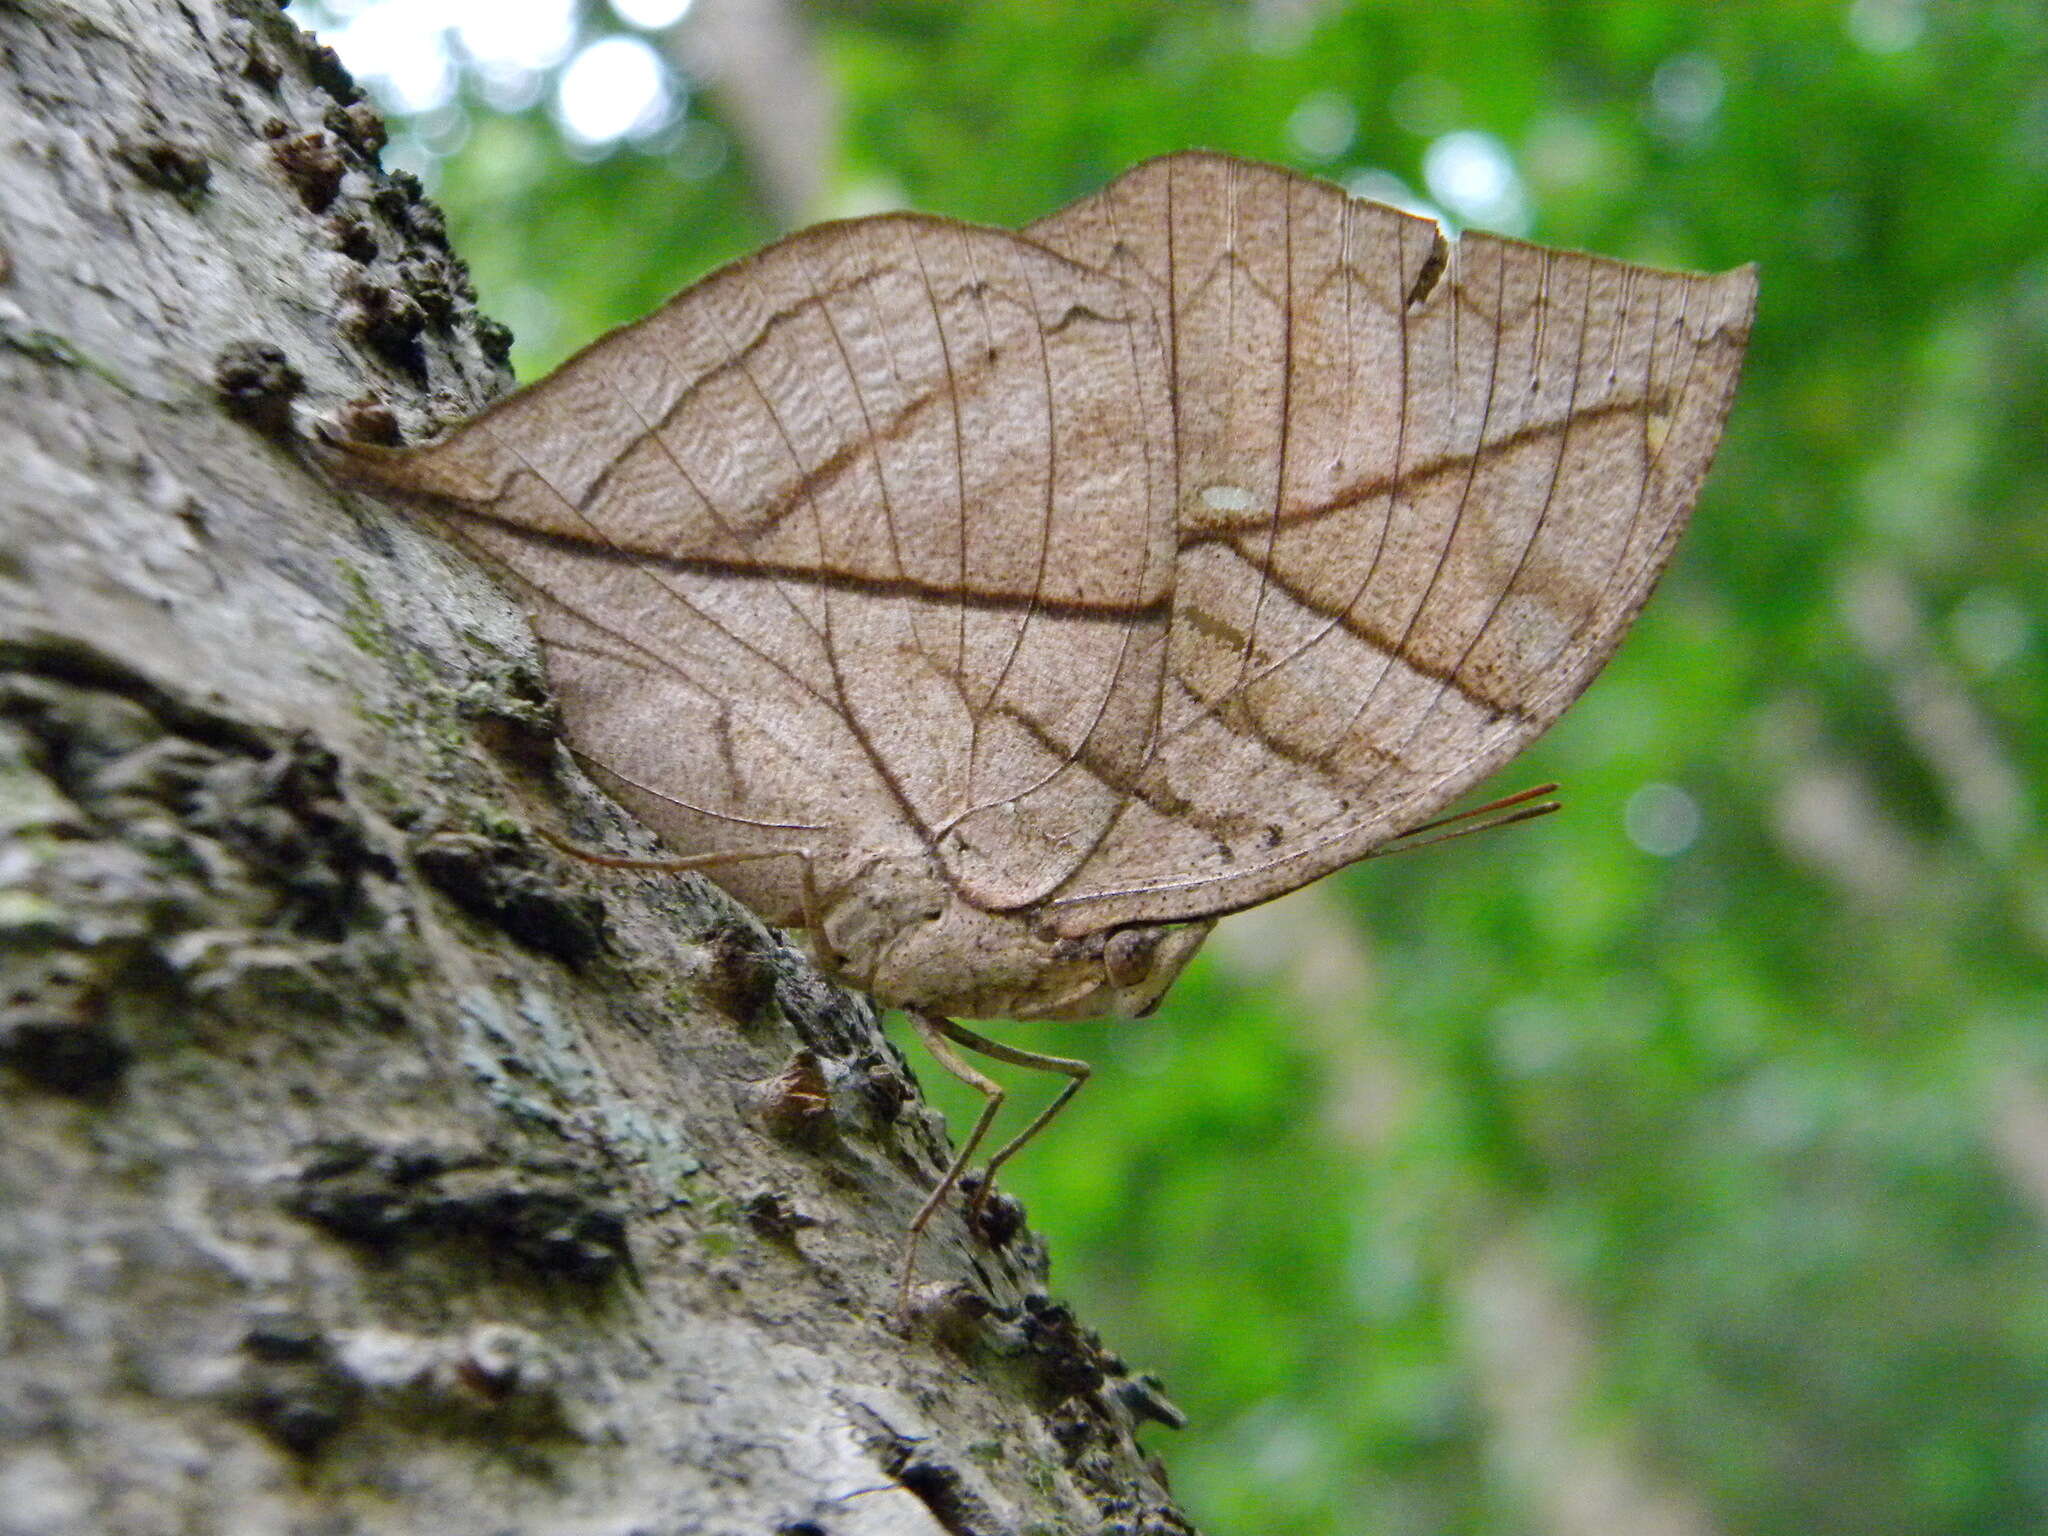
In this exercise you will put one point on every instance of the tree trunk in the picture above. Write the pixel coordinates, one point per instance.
(365, 1165)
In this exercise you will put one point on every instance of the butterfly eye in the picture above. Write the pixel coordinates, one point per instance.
(1129, 954)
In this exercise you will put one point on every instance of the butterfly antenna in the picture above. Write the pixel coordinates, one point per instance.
(1517, 808)
(1518, 798)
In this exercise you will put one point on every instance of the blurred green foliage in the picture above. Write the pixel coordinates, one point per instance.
(1737, 1066)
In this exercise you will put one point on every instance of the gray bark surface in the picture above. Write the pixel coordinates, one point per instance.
(364, 1164)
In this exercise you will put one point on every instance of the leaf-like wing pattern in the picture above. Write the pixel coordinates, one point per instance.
(1421, 489)
(1140, 567)
(862, 546)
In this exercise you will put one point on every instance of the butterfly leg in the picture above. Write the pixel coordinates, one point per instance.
(934, 1030)
(1076, 1073)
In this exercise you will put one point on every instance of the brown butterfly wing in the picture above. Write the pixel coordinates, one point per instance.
(860, 546)
(1141, 569)
(1421, 491)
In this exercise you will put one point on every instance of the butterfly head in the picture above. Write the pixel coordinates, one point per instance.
(1119, 974)
(911, 943)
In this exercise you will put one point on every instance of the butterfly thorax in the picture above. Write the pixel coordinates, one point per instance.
(901, 934)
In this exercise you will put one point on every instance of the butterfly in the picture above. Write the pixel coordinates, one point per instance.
(1005, 607)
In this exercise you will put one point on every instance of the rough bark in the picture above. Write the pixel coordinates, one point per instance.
(364, 1165)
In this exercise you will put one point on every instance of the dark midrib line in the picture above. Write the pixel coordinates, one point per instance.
(836, 581)
(1160, 607)
(1450, 463)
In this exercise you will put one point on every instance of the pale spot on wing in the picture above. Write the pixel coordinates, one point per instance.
(1227, 498)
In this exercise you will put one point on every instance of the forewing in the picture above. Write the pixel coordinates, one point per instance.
(1421, 490)
(861, 545)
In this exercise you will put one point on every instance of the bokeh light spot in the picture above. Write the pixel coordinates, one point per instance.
(613, 88)
(1886, 26)
(1323, 126)
(1662, 819)
(1990, 629)
(1472, 175)
(1685, 93)
(650, 15)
